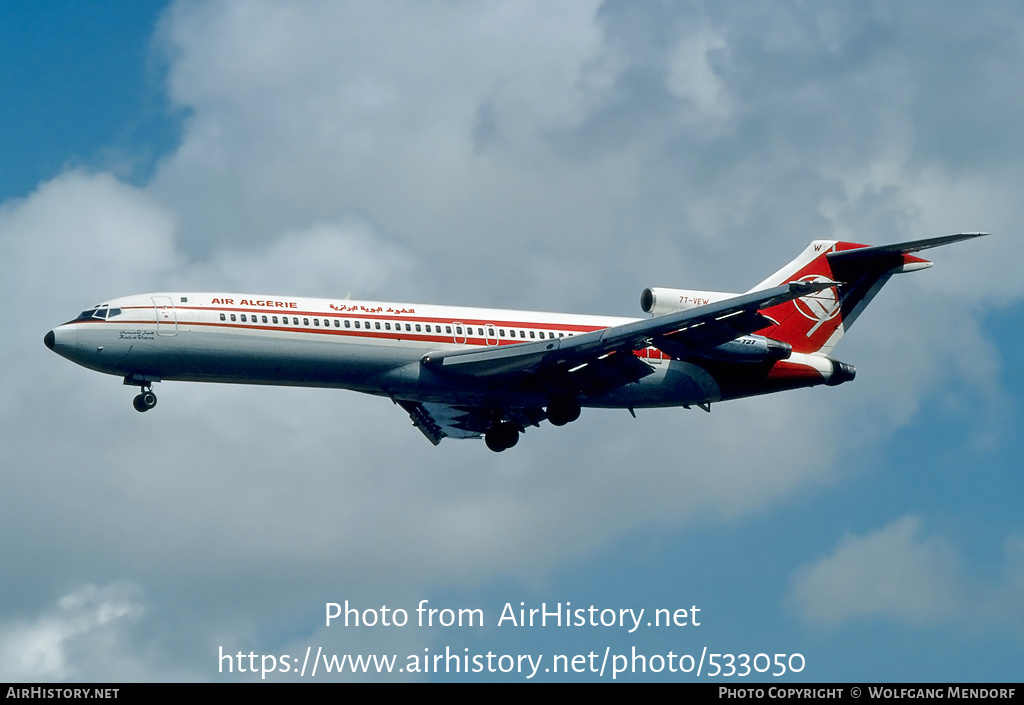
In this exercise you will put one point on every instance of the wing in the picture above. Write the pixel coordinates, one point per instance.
(595, 362)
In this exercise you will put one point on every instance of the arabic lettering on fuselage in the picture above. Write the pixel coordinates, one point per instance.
(379, 309)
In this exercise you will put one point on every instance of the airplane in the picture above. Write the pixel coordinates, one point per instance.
(474, 372)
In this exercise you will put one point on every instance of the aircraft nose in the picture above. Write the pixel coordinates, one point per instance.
(63, 340)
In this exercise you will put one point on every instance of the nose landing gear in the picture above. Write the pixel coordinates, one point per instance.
(145, 400)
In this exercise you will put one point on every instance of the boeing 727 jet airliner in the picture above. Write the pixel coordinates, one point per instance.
(472, 372)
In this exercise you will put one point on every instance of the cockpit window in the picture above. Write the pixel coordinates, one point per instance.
(100, 312)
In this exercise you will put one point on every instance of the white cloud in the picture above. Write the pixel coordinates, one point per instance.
(895, 572)
(425, 117)
(84, 636)
(79, 234)
(691, 76)
(326, 259)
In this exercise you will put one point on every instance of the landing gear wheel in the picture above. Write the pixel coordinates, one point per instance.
(144, 401)
(501, 437)
(563, 410)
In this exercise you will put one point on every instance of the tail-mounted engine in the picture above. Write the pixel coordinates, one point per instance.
(750, 348)
(660, 301)
(746, 348)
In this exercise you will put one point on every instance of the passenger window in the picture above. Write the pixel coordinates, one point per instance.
(264, 319)
(448, 329)
(305, 321)
(480, 332)
(458, 329)
(348, 323)
(357, 324)
(376, 324)
(232, 317)
(501, 332)
(337, 323)
(274, 319)
(223, 317)
(533, 334)
(408, 327)
(561, 335)
(417, 327)
(316, 321)
(243, 318)
(387, 326)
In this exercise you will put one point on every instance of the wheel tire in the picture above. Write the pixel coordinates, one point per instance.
(139, 404)
(563, 410)
(512, 439)
(501, 437)
(493, 440)
(148, 399)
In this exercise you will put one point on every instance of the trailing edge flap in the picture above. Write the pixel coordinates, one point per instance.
(730, 318)
(437, 421)
(603, 374)
(685, 342)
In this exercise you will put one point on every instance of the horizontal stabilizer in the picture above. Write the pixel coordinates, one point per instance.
(903, 248)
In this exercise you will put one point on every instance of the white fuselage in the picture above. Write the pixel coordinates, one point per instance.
(368, 347)
(469, 372)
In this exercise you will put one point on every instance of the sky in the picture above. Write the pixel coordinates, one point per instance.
(528, 155)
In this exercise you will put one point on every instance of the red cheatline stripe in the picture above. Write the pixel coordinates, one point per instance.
(326, 330)
(575, 327)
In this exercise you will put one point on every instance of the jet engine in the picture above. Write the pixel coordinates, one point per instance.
(746, 348)
(750, 348)
(658, 301)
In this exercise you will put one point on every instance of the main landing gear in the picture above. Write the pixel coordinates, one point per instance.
(502, 436)
(563, 410)
(144, 400)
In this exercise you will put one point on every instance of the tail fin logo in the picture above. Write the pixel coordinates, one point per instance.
(820, 306)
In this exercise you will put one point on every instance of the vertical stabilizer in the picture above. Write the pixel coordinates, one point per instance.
(815, 323)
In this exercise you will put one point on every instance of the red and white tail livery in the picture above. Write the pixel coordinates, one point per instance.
(464, 372)
(815, 323)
